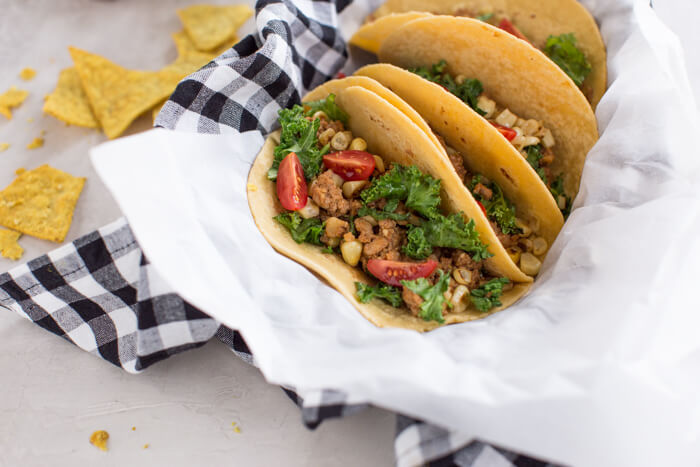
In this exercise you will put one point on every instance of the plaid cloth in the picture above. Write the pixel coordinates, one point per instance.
(101, 294)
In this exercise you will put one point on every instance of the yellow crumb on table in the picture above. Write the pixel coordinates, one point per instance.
(10, 99)
(146, 446)
(236, 428)
(133, 428)
(4, 146)
(36, 143)
(27, 74)
(99, 439)
(9, 247)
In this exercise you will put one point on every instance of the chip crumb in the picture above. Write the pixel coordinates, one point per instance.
(4, 146)
(40, 202)
(36, 143)
(236, 428)
(252, 187)
(9, 248)
(10, 99)
(99, 439)
(20, 171)
(133, 428)
(30, 120)
(146, 446)
(27, 74)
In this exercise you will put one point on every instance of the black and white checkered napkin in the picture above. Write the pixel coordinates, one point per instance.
(100, 293)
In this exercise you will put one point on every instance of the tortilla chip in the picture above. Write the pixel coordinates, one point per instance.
(27, 74)
(118, 96)
(40, 202)
(4, 146)
(211, 26)
(185, 46)
(99, 439)
(9, 247)
(68, 101)
(11, 98)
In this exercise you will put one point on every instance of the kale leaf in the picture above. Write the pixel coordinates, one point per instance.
(487, 296)
(534, 154)
(433, 296)
(468, 90)
(485, 17)
(498, 208)
(302, 230)
(563, 51)
(453, 232)
(328, 106)
(298, 136)
(391, 294)
(417, 246)
(421, 192)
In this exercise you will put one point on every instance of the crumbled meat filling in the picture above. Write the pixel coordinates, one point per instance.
(412, 300)
(328, 196)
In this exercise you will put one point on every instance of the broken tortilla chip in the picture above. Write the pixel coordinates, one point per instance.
(9, 247)
(69, 103)
(40, 202)
(11, 98)
(118, 96)
(27, 74)
(211, 26)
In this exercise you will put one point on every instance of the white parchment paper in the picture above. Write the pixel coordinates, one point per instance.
(598, 365)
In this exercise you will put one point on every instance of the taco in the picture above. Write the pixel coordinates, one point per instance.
(390, 229)
(563, 29)
(528, 99)
(522, 213)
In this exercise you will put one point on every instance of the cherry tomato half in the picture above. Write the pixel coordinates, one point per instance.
(393, 272)
(291, 185)
(350, 165)
(340, 75)
(510, 28)
(509, 133)
(482, 207)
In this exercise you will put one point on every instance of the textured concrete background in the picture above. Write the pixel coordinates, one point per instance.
(53, 395)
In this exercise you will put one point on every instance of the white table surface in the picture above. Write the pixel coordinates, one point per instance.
(52, 394)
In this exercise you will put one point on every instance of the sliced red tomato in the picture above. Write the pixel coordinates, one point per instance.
(393, 272)
(510, 28)
(482, 207)
(350, 165)
(291, 185)
(509, 133)
(340, 75)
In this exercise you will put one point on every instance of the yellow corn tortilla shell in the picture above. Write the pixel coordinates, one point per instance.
(118, 96)
(264, 205)
(371, 35)
(40, 202)
(536, 19)
(337, 85)
(484, 149)
(10, 99)
(69, 103)
(211, 26)
(513, 73)
(9, 248)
